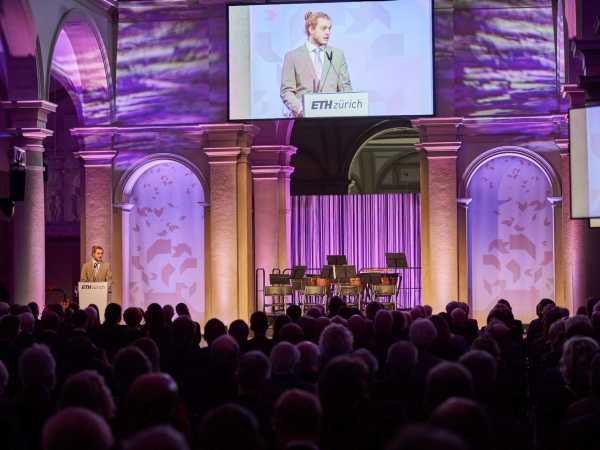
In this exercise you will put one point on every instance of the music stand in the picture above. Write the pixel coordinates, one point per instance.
(395, 261)
(344, 272)
(337, 260)
(327, 272)
(278, 279)
(298, 272)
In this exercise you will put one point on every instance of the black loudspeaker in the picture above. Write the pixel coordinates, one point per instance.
(17, 183)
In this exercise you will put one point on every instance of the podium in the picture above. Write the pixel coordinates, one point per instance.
(93, 292)
(336, 104)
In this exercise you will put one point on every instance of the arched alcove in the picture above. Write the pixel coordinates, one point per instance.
(511, 196)
(163, 248)
(387, 161)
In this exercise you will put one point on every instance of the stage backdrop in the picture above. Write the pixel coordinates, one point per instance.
(362, 227)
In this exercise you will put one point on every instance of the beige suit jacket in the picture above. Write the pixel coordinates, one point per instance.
(298, 76)
(104, 273)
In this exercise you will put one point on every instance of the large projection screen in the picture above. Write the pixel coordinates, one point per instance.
(584, 136)
(376, 50)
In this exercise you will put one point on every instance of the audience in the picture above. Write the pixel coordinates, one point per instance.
(339, 378)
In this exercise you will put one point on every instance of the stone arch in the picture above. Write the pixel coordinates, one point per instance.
(509, 195)
(80, 63)
(163, 242)
(385, 151)
(21, 51)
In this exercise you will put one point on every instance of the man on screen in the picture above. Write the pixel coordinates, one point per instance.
(314, 66)
(96, 270)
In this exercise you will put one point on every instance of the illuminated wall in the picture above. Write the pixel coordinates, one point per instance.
(167, 239)
(511, 236)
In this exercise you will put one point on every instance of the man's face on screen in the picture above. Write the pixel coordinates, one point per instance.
(321, 32)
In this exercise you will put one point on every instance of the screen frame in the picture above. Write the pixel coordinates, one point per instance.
(316, 119)
(572, 217)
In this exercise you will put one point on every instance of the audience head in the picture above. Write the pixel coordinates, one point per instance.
(150, 349)
(153, 399)
(238, 329)
(182, 310)
(4, 309)
(87, 389)
(383, 323)
(133, 317)
(483, 368)
(400, 325)
(426, 437)
(577, 326)
(297, 417)
(402, 358)
(154, 317)
(129, 363)
(37, 368)
(422, 334)
(224, 354)
(371, 309)
(284, 357)
(310, 358)
(161, 437)
(112, 314)
(467, 419)
(27, 322)
(183, 332)
(334, 305)
(447, 380)
(213, 329)
(459, 317)
(556, 335)
(543, 303)
(278, 324)
(487, 344)
(576, 362)
(75, 429)
(366, 357)
(254, 371)
(292, 333)
(428, 310)
(259, 323)
(336, 340)
(343, 386)
(229, 427)
(294, 312)
(168, 313)
(309, 327)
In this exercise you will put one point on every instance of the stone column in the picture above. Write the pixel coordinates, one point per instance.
(120, 265)
(28, 121)
(231, 274)
(97, 154)
(271, 172)
(439, 224)
(463, 249)
(574, 239)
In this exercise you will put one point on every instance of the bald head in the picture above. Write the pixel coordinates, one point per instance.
(75, 429)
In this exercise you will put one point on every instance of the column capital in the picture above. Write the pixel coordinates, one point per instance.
(554, 201)
(574, 94)
(439, 149)
(94, 138)
(272, 155)
(28, 113)
(125, 207)
(229, 134)
(226, 155)
(438, 128)
(96, 158)
(464, 202)
(271, 172)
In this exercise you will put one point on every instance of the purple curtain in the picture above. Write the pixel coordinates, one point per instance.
(362, 227)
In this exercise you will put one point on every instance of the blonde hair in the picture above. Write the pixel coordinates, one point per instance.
(311, 18)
